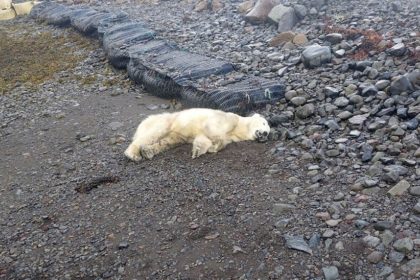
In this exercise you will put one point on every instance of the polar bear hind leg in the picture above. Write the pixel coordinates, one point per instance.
(201, 145)
(149, 132)
(168, 141)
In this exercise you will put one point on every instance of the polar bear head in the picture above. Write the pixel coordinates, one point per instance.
(258, 128)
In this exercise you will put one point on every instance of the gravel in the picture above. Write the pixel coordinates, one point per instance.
(339, 177)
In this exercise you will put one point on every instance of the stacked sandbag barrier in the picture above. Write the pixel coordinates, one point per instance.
(162, 68)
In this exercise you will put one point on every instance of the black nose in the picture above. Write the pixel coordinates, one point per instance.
(265, 133)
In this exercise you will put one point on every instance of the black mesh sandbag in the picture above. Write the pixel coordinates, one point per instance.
(89, 24)
(239, 97)
(82, 22)
(136, 70)
(62, 16)
(118, 39)
(38, 10)
(107, 23)
(166, 74)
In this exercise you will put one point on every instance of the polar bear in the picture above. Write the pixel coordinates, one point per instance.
(207, 130)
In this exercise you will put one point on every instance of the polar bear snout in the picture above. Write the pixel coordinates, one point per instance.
(261, 136)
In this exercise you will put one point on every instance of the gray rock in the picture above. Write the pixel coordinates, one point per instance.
(315, 240)
(411, 267)
(401, 84)
(316, 55)
(400, 188)
(116, 125)
(415, 190)
(404, 245)
(395, 256)
(375, 257)
(369, 90)
(417, 207)
(358, 119)
(298, 100)
(382, 84)
(382, 225)
(371, 241)
(300, 11)
(284, 16)
(305, 111)
(331, 92)
(330, 272)
(334, 38)
(281, 208)
(397, 50)
(328, 233)
(341, 102)
(298, 243)
(387, 270)
(387, 236)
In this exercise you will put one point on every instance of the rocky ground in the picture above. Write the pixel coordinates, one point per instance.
(333, 195)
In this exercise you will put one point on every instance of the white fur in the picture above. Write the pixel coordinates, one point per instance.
(208, 130)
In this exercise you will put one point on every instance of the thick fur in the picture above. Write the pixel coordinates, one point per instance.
(208, 130)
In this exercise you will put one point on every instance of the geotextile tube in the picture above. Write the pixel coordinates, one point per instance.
(162, 68)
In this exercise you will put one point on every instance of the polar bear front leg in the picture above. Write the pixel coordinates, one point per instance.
(217, 146)
(201, 145)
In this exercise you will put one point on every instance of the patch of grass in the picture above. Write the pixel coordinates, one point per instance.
(30, 57)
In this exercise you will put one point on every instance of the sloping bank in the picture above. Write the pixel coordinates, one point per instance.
(164, 69)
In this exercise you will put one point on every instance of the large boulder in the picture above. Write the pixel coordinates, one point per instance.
(284, 16)
(260, 11)
(246, 6)
(316, 55)
(23, 8)
(7, 14)
(5, 4)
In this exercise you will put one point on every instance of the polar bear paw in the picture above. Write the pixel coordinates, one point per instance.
(133, 153)
(147, 152)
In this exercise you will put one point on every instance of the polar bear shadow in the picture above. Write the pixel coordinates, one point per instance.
(208, 130)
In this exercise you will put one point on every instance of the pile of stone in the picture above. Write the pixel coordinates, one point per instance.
(9, 10)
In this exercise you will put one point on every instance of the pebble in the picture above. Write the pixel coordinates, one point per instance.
(330, 272)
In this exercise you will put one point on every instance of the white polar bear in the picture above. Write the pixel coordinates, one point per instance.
(207, 129)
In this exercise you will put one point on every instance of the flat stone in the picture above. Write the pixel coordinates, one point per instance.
(281, 208)
(358, 119)
(298, 243)
(400, 188)
(334, 38)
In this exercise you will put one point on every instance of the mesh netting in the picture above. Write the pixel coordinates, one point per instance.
(119, 38)
(107, 23)
(239, 97)
(88, 24)
(184, 67)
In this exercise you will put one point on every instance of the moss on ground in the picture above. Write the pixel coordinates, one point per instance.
(29, 56)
